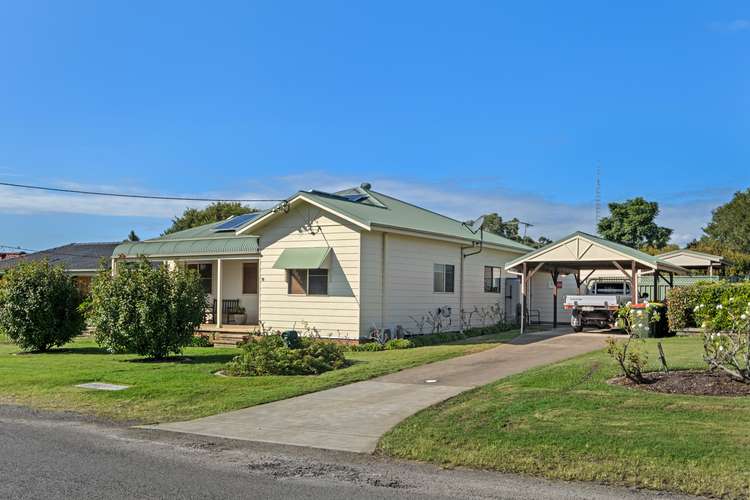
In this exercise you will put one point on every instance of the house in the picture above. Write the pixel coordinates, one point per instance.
(80, 260)
(341, 263)
(696, 262)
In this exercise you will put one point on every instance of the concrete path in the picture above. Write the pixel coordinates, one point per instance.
(354, 417)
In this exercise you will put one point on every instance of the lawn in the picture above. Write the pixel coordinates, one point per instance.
(564, 421)
(169, 391)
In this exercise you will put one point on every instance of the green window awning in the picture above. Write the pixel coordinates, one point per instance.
(303, 258)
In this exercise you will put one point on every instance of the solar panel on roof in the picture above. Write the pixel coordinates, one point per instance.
(236, 222)
(355, 197)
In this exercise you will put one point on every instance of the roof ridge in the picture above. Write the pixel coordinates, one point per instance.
(460, 223)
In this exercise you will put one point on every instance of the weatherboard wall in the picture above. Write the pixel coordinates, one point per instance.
(334, 315)
(408, 280)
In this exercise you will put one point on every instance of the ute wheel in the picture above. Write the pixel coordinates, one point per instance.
(578, 329)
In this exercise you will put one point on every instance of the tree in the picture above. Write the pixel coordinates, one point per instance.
(652, 250)
(730, 223)
(149, 311)
(493, 223)
(215, 212)
(39, 306)
(132, 236)
(543, 241)
(632, 223)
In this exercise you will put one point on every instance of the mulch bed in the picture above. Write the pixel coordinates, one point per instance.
(691, 382)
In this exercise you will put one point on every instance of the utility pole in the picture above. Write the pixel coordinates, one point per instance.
(526, 226)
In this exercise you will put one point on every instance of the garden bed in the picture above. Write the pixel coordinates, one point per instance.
(689, 382)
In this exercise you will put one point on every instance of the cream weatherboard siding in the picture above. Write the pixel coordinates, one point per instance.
(371, 311)
(408, 280)
(474, 294)
(540, 296)
(334, 315)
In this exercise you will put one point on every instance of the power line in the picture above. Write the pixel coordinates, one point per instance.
(138, 196)
(45, 252)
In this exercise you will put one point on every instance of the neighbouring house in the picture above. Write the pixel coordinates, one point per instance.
(10, 255)
(341, 263)
(80, 260)
(698, 263)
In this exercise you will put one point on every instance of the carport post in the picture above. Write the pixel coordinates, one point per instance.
(554, 275)
(633, 284)
(655, 298)
(523, 299)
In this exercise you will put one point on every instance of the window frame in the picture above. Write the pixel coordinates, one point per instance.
(442, 269)
(321, 271)
(492, 278)
(204, 279)
(245, 282)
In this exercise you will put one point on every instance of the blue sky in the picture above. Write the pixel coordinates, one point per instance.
(463, 107)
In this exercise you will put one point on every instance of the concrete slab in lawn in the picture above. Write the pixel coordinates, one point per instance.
(354, 417)
(103, 386)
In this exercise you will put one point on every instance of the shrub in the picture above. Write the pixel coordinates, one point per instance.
(399, 344)
(436, 338)
(726, 341)
(717, 302)
(201, 341)
(39, 306)
(631, 355)
(269, 355)
(145, 310)
(681, 301)
(368, 347)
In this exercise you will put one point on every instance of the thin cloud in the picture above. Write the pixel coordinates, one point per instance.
(731, 26)
(685, 212)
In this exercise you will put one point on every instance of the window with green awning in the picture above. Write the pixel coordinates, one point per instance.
(303, 258)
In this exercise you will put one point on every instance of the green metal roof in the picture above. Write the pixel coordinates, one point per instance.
(302, 258)
(173, 247)
(371, 209)
(631, 253)
(386, 212)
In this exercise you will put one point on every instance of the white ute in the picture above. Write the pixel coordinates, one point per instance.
(598, 307)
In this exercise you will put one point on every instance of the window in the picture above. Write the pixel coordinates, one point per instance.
(317, 280)
(308, 282)
(250, 277)
(205, 271)
(612, 288)
(443, 278)
(83, 284)
(492, 279)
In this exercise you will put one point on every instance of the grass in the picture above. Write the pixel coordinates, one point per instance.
(564, 421)
(170, 391)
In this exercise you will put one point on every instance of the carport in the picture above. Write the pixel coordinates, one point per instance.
(580, 255)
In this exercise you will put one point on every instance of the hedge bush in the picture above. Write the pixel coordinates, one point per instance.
(367, 347)
(694, 305)
(270, 355)
(39, 306)
(149, 311)
(398, 344)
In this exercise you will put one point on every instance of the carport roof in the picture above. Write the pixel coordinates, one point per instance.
(580, 251)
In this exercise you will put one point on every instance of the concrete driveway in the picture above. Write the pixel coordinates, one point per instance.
(354, 417)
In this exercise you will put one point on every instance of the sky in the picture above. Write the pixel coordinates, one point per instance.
(462, 107)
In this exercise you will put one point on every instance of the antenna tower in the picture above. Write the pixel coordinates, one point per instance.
(598, 195)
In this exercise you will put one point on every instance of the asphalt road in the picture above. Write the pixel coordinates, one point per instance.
(46, 455)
